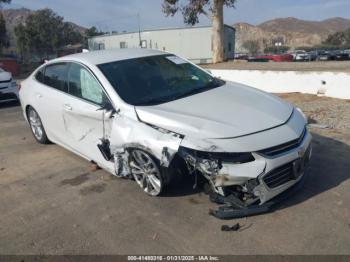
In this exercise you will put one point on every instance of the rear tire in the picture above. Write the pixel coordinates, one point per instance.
(36, 126)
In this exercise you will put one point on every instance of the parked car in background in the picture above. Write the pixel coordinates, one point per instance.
(139, 114)
(347, 51)
(324, 56)
(241, 56)
(339, 55)
(301, 55)
(273, 58)
(313, 55)
(8, 86)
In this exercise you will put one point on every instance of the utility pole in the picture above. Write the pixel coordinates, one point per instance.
(139, 23)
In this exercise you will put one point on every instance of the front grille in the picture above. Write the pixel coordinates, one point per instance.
(279, 176)
(276, 150)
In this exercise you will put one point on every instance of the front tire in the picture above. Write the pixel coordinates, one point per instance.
(146, 172)
(36, 126)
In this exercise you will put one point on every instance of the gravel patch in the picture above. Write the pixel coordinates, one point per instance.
(335, 113)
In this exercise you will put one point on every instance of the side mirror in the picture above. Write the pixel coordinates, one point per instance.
(107, 105)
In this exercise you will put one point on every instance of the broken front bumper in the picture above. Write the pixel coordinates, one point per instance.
(254, 186)
(229, 212)
(285, 175)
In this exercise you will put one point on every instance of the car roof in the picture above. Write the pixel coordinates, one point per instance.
(106, 56)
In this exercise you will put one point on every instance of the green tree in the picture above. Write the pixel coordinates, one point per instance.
(3, 32)
(21, 40)
(252, 46)
(91, 32)
(338, 39)
(70, 35)
(44, 32)
(212, 8)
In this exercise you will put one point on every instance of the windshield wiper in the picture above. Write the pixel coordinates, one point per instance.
(153, 101)
(156, 101)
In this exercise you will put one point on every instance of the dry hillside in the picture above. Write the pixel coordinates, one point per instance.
(293, 32)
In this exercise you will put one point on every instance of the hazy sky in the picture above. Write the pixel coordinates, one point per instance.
(121, 15)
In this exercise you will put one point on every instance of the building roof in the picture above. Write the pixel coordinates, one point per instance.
(106, 56)
(158, 29)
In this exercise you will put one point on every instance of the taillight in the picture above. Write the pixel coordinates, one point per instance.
(19, 86)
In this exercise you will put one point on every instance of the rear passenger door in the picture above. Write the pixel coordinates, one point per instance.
(50, 93)
(83, 114)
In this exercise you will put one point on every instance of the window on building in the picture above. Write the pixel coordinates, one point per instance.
(143, 44)
(122, 45)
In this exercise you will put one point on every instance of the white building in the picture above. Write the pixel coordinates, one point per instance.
(193, 43)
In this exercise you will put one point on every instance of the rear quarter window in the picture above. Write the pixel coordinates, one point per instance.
(40, 75)
(56, 76)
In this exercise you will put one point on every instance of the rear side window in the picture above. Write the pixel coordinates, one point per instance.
(40, 75)
(56, 76)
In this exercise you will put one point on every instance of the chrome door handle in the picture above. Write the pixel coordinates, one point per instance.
(39, 95)
(68, 107)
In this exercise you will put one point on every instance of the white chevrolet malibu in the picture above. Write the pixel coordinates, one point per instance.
(147, 115)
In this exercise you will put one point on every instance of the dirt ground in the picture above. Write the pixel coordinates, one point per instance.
(53, 202)
(330, 66)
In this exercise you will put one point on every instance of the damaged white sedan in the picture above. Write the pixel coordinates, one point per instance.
(148, 115)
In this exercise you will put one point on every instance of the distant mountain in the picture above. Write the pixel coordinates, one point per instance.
(292, 31)
(302, 26)
(13, 17)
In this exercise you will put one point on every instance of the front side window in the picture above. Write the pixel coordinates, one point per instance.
(56, 76)
(157, 79)
(82, 84)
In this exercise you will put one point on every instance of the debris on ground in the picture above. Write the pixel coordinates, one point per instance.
(227, 228)
(155, 236)
(94, 167)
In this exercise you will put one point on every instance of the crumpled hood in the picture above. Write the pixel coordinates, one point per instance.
(225, 112)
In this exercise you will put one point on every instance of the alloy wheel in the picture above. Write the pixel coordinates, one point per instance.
(35, 124)
(146, 172)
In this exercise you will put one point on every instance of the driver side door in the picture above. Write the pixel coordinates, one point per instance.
(85, 121)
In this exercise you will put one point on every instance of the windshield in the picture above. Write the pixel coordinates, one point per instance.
(157, 79)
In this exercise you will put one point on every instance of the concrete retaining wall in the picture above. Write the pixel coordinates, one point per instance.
(332, 84)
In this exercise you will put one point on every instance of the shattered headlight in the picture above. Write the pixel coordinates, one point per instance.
(221, 157)
(302, 113)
